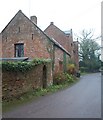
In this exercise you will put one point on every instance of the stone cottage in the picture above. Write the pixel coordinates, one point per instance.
(65, 38)
(23, 38)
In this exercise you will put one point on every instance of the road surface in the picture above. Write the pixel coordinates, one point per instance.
(82, 100)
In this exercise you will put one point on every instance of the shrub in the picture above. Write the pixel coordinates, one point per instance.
(83, 69)
(60, 78)
(71, 69)
(70, 78)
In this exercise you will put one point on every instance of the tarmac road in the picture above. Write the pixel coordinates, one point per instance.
(82, 100)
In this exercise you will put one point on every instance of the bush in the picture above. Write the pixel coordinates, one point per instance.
(101, 64)
(83, 69)
(69, 78)
(60, 78)
(71, 69)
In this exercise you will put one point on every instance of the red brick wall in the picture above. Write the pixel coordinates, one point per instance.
(14, 84)
(76, 56)
(21, 30)
(65, 40)
(71, 47)
(54, 32)
(36, 44)
(58, 60)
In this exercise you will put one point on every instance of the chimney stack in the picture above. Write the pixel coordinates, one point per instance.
(52, 23)
(34, 19)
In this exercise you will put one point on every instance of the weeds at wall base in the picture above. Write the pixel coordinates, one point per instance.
(34, 94)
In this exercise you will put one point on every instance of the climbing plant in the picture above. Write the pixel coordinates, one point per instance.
(22, 66)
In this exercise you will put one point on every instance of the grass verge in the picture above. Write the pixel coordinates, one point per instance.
(34, 94)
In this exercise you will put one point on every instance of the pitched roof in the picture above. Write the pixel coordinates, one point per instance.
(55, 27)
(54, 41)
(58, 45)
(11, 20)
(62, 37)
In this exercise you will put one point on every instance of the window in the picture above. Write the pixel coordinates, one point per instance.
(19, 29)
(32, 36)
(19, 50)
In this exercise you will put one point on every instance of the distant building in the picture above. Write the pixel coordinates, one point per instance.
(23, 38)
(65, 38)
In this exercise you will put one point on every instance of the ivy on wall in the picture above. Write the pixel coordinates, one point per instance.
(22, 66)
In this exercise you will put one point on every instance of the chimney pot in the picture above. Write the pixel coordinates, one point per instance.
(52, 23)
(34, 19)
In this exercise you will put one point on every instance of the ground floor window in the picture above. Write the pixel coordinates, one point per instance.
(19, 50)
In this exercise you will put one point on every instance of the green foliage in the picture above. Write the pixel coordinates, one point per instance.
(40, 61)
(89, 51)
(17, 66)
(60, 78)
(32, 94)
(71, 69)
(22, 66)
(83, 69)
(70, 78)
(101, 68)
(101, 64)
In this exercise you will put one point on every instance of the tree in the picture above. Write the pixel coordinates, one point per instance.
(89, 51)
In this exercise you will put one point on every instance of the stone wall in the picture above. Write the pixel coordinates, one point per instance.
(66, 40)
(58, 66)
(15, 84)
(54, 32)
(22, 30)
(61, 61)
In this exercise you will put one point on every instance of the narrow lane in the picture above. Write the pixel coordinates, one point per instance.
(82, 100)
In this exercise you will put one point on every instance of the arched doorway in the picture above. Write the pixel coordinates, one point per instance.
(44, 79)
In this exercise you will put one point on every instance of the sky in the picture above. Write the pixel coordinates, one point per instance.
(66, 14)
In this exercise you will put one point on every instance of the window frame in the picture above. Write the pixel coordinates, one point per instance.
(19, 50)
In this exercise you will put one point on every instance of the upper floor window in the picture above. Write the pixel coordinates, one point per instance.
(19, 50)
(19, 29)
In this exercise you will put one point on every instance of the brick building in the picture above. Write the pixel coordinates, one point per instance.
(75, 53)
(23, 38)
(65, 39)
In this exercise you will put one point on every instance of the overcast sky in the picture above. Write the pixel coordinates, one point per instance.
(66, 14)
